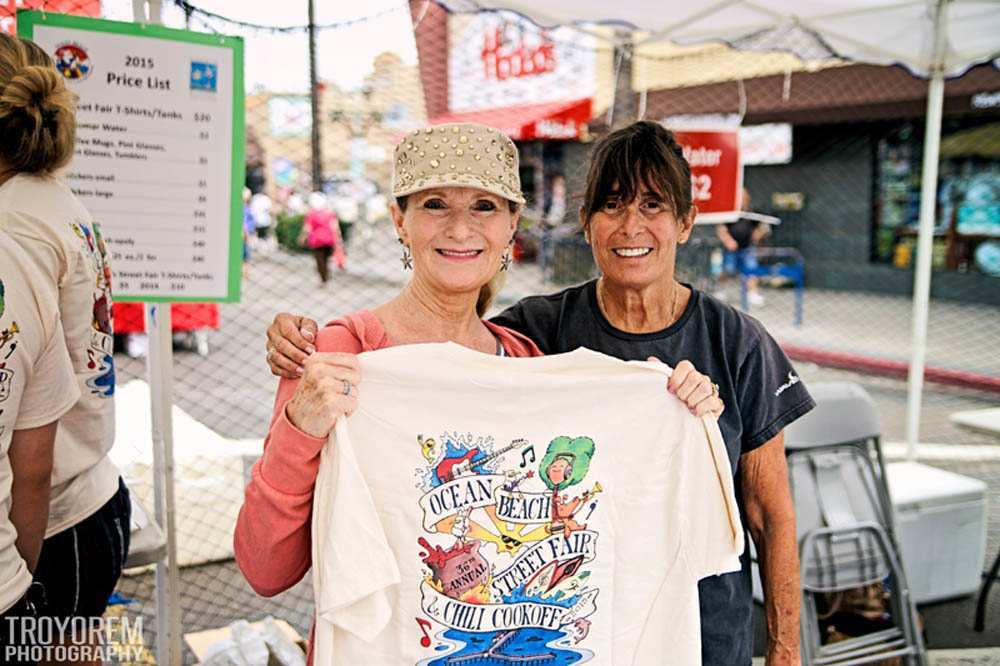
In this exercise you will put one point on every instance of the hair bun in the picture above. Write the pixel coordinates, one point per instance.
(32, 88)
(37, 118)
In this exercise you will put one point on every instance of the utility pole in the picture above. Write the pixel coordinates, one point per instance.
(623, 111)
(317, 154)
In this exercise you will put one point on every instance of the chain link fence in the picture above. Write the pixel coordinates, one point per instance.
(832, 150)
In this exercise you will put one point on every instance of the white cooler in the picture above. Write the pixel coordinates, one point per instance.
(941, 529)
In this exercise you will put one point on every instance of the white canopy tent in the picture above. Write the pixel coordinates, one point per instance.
(933, 39)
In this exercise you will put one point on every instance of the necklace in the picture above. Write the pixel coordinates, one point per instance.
(673, 304)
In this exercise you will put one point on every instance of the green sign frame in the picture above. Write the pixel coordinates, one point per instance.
(28, 20)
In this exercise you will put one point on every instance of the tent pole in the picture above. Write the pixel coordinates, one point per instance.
(925, 239)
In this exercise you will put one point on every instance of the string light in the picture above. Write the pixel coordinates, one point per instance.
(204, 14)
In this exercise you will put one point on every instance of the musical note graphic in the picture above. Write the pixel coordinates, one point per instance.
(13, 346)
(524, 456)
(90, 360)
(424, 626)
(592, 507)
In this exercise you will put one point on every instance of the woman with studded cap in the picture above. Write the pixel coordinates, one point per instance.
(455, 213)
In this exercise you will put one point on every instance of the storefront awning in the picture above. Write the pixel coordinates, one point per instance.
(553, 120)
(981, 141)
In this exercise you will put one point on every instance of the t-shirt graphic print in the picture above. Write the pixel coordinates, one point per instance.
(486, 510)
(513, 575)
(100, 360)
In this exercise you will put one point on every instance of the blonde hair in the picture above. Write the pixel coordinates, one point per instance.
(488, 292)
(37, 111)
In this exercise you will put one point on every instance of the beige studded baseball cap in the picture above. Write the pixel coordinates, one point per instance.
(457, 155)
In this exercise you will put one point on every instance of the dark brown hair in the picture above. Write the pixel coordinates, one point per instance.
(643, 156)
(37, 111)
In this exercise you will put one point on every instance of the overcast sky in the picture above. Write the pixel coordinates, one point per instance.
(280, 62)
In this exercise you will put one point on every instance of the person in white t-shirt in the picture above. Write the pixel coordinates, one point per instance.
(86, 538)
(260, 208)
(37, 387)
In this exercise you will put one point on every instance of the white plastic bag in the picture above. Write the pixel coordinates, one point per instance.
(284, 651)
(250, 644)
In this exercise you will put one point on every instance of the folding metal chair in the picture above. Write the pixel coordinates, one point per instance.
(845, 526)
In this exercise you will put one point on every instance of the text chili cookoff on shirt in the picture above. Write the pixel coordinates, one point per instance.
(556, 509)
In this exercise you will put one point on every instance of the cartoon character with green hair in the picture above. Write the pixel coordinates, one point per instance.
(7, 334)
(566, 462)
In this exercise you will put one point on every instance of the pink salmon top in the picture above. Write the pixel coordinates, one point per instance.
(272, 540)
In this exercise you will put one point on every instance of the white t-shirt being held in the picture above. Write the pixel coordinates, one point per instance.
(557, 508)
(54, 230)
(37, 387)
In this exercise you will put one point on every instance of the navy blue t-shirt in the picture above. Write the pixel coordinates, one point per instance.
(757, 382)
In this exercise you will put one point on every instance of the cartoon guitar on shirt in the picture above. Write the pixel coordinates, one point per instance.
(450, 469)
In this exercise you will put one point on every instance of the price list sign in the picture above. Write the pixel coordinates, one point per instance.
(159, 150)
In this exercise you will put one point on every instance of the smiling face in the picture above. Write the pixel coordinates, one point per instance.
(637, 206)
(635, 242)
(457, 236)
(558, 471)
(429, 448)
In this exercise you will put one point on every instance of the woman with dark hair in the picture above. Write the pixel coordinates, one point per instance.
(87, 529)
(637, 210)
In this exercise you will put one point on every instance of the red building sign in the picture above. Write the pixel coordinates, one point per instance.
(506, 58)
(716, 171)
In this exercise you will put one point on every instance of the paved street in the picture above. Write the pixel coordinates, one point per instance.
(231, 392)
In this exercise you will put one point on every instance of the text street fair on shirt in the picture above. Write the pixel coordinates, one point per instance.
(479, 509)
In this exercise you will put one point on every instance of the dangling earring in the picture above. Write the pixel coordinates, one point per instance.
(407, 258)
(506, 259)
